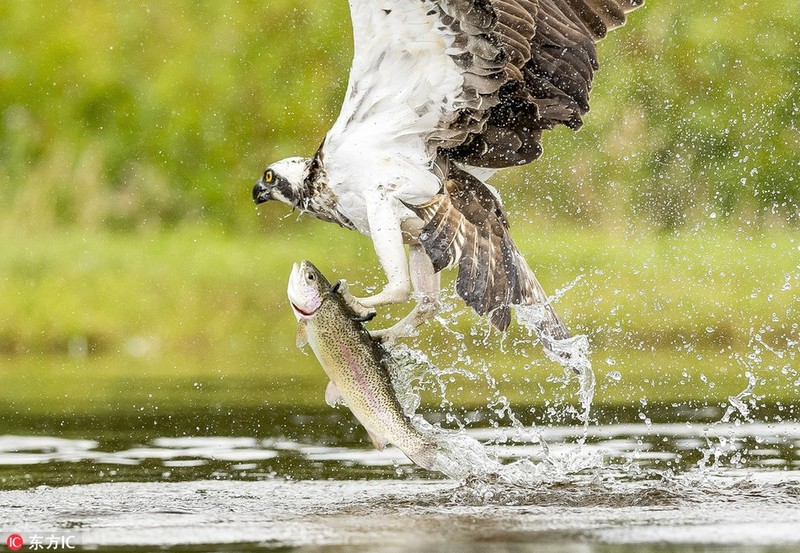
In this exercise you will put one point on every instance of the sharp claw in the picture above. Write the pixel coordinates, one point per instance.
(364, 319)
(363, 314)
(390, 336)
(385, 336)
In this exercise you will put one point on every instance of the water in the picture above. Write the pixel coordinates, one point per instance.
(707, 471)
(567, 475)
(419, 515)
(686, 478)
(571, 353)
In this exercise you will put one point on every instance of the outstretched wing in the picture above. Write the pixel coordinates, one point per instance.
(475, 81)
(527, 68)
(531, 66)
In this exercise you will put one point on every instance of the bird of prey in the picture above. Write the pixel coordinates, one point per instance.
(441, 94)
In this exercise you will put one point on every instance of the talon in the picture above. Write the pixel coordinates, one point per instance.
(389, 295)
(428, 304)
(364, 319)
(362, 312)
(386, 336)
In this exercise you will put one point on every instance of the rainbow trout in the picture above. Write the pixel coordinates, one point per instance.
(356, 363)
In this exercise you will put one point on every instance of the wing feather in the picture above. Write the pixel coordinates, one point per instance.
(437, 86)
(465, 226)
(550, 62)
(474, 80)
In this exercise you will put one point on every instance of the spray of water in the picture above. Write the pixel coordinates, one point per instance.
(463, 458)
(571, 353)
(738, 410)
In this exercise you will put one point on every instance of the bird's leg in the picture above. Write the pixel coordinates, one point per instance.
(387, 238)
(426, 291)
(363, 313)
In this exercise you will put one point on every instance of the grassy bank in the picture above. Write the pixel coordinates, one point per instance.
(126, 116)
(198, 316)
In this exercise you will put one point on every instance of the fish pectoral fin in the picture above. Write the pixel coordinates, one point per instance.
(332, 395)
(377, 441)
(301, 337)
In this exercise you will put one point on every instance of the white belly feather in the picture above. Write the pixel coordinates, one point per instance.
(400, 84)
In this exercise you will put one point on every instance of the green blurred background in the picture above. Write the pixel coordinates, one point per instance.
(135, 273)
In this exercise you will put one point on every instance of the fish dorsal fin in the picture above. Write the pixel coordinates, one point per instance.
(333, 396)
(301, 337)
(377, 441)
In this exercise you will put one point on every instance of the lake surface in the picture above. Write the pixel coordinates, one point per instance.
(228, 480)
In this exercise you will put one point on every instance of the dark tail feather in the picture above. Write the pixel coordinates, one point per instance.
(550, 324)
(465, 225)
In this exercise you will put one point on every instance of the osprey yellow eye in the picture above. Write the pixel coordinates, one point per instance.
(268, 176)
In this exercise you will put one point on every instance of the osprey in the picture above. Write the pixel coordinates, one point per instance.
(442, 93)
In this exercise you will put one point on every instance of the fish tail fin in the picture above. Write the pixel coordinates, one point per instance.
(424, 455)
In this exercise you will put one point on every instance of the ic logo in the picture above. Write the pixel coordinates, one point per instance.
(15, 542)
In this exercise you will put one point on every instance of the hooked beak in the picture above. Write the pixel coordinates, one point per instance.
(262, 192)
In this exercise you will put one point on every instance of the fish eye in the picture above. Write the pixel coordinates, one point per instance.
(269, 176)
(310, 276)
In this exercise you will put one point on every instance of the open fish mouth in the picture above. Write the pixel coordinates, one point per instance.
(304, 300)
(302, 312)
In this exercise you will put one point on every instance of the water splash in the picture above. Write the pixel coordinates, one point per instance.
(465, 459)
(716, 450)
(462, 457)
(737, 404)
(571, 353)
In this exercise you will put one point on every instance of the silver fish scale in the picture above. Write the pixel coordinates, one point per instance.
(345, 349)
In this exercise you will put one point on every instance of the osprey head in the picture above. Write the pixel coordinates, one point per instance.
(284, 181)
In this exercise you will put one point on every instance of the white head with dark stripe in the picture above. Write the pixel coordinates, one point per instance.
(285, 181)
(301, 183)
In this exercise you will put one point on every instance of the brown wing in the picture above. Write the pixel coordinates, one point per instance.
(527, 66)
(465, 226)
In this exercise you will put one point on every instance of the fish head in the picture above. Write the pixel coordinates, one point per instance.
(307, 290)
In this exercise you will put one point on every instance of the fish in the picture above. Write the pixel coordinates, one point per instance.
(356, 363)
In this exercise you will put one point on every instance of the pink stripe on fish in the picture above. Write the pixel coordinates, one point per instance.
(362, 381)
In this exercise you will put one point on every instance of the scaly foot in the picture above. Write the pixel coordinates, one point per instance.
(361, 310)
(426, 308)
